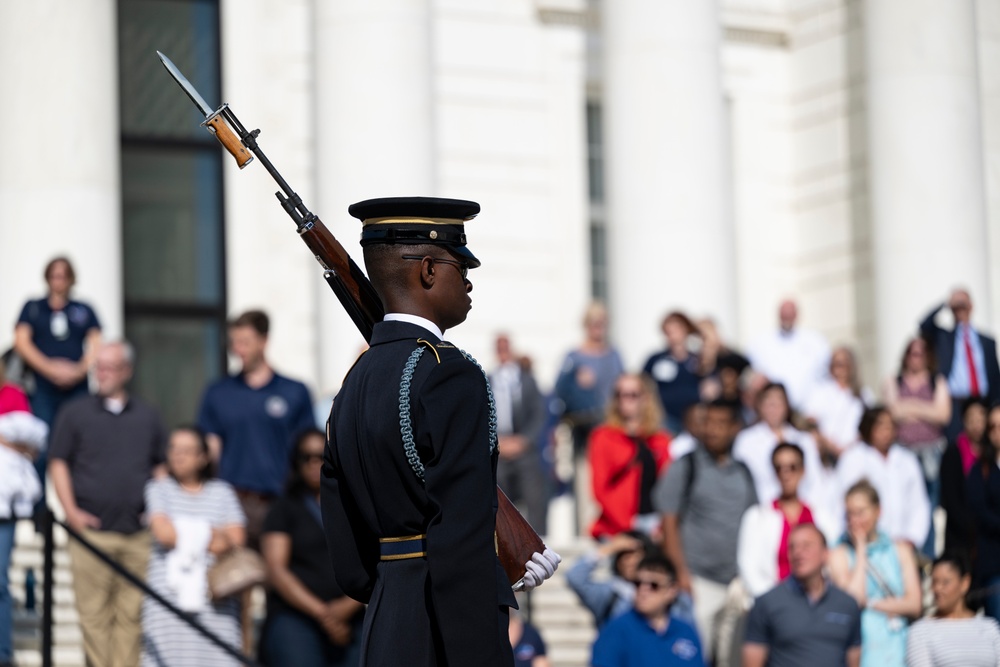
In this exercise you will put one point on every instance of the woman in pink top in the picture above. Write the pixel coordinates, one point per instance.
(957, 461)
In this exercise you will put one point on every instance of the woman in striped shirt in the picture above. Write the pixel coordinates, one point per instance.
(954, 636)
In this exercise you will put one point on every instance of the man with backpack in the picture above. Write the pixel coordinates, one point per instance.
(702, 499)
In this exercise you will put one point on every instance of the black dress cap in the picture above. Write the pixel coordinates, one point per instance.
(417, 221)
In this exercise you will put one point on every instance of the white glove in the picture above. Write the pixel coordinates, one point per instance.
(538, 569)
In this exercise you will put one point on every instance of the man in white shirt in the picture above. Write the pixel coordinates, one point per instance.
(797, 358)
(894, 472)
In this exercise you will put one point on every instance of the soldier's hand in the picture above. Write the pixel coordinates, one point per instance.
(539, 568)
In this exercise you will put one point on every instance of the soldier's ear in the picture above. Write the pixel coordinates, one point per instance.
(428, 272)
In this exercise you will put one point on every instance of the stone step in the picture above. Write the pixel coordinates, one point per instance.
(569, 656)
(61, 657)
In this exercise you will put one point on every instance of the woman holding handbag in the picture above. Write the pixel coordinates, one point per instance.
(194, 520)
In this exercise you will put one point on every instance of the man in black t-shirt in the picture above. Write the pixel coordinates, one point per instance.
(103, 450)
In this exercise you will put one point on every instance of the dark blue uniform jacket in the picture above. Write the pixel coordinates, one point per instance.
(449, 608)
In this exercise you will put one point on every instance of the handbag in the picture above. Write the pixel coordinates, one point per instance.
(236, 571)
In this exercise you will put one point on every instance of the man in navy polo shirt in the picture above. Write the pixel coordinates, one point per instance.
(648, 635)
(804, 620)
(252, 419)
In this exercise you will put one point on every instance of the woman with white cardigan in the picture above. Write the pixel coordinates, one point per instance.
(762, 552)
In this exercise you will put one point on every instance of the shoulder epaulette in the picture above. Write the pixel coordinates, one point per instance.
(429, 345)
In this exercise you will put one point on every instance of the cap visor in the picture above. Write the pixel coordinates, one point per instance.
(463, 252)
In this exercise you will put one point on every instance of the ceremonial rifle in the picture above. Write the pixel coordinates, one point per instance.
(516, 540)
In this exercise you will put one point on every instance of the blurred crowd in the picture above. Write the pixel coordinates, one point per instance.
(747, 507)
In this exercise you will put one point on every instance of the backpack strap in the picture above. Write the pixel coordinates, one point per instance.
(692, 473)
(689, 479)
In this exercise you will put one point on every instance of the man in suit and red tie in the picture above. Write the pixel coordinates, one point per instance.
(966, 356)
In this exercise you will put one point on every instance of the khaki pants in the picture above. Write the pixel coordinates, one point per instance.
(709, 600)
(108, 605)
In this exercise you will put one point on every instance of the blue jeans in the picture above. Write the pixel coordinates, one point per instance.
(993, 598)
(291, 638)
(6, 613)
(930, 463)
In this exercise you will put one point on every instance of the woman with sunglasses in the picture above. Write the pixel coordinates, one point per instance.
(762, 554)
(627, 454)
(310, 622)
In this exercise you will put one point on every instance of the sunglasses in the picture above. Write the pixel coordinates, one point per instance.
(627, 394)
(653, 584)
(463, 267)
(310, 458)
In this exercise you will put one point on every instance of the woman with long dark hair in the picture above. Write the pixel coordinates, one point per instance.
(957, 462)
(983, 494)
(920, 403)
(310, 622)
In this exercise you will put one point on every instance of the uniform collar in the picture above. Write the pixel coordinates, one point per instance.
(397, 330)
(415, 319)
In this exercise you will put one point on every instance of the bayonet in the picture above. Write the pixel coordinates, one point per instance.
(214, 120)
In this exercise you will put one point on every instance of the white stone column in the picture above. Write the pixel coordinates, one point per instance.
(374, 132)
(59, 176)
(988, 26)
(270, 87)
(926, 163)
(670, 238)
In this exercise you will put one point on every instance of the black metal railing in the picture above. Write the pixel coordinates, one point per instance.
(48, 524)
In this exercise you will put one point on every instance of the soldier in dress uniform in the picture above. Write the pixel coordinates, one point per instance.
(409, 480)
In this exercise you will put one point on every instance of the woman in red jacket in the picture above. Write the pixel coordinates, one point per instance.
(627, 454)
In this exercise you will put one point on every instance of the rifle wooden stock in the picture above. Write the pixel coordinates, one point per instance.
(516, 539)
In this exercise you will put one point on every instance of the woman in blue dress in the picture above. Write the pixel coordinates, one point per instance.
(881, 575)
